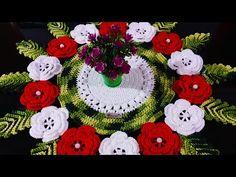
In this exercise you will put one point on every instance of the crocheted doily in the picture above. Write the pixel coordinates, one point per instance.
(134, 90)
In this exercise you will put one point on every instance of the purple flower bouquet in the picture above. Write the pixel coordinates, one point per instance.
(106, 54)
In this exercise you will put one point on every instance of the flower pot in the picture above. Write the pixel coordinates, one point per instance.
(112, 83)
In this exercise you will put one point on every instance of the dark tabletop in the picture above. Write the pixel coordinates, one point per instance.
(220, 49)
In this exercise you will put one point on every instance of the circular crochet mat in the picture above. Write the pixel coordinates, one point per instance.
(82, 114)
(134, 90)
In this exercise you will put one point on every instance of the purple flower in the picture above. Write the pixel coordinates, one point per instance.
(134, 50)
(83, 52)
(128, 37)
(118, 44)
(92, 37)
(113, 74)
(81, 55)
(118, 61)
(125, 68)
(88, 61)
(95, 52)
(115, 28)
(100, 67)
(105, 37)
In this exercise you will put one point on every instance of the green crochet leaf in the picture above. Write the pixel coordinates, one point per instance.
(58, 29)
(216, 73)
(30, 49)
(48, 148)
(196, 41)
(13, 81)
(196, 146)
(215, 109)
(13, 122)
(152, 56)
(164, 26)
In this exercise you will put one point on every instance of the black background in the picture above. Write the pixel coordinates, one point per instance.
(220, 49)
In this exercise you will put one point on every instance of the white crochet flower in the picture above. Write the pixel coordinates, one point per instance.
(141, 32)
(81, 33)
(119, 144)
(49, 124)
(184, 118)
(44, 68)
(185, 62)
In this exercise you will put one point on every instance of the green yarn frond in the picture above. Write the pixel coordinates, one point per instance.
(13, 122)
(30, 49)
(216, 73)
(196, 146)
(13, 81)
(164, 26)
(48, 148)
(58, 29)
(152, 56)
(196, 41)
(215, 109)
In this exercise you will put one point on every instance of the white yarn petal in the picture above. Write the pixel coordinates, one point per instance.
(182, 104)
(105, 147)
(81, 33)
(187, 52)
(201, 125)
(119, 135)
(50, 136)
(44, 68)
(185, 62)
(49, 124)
(184, 118)
(186, 129)
(64, 111)
(119, 144)
(141, 32)
(64, 127)
(47, 110)
(170, 123)
(35, 134)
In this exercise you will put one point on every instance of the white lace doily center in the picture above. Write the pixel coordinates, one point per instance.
(129, 95)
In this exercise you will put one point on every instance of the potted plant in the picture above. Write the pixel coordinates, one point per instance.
(106, 54)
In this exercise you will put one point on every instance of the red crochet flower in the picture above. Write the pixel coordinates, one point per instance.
(38, 95)
(194, 88)
(105, 27)
(62, 47)
(167, 43)
(79, 141)
(158, 139)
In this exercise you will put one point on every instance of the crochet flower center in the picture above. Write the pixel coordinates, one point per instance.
(141, 31)
(159, 141)
(119, 151)
(78, 145)
(38, 93)
(168, 40)
(48, 123)
(195, 86)
(43, 67)
(62, 46)
(184, 116)
(186, 61)
(86, 33)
